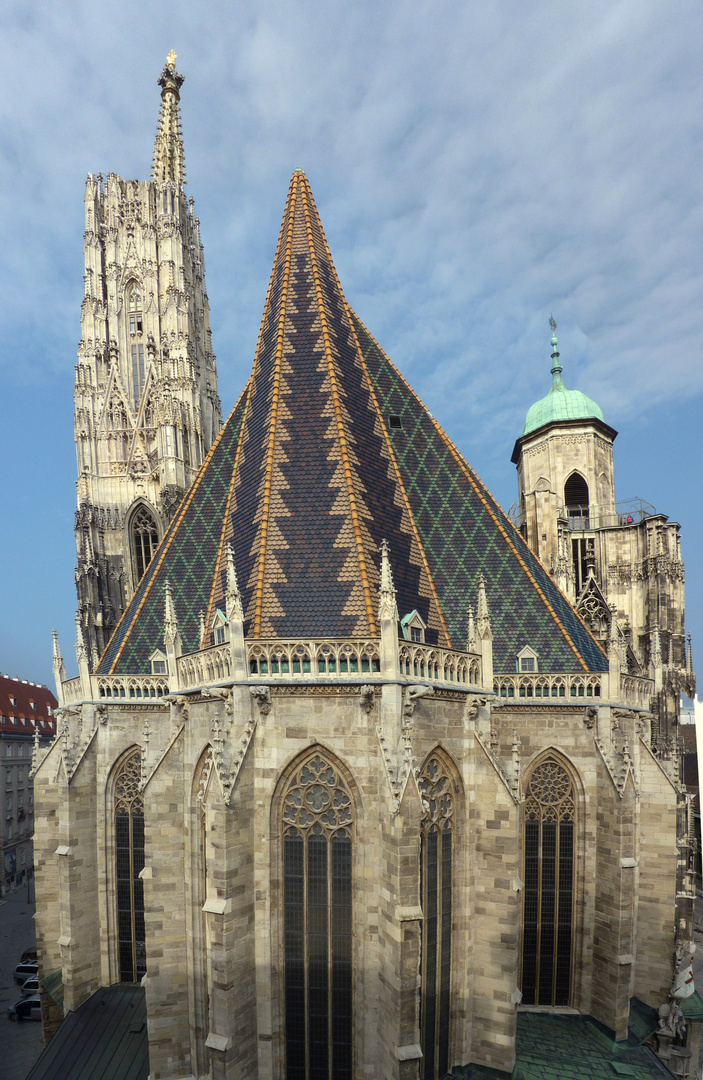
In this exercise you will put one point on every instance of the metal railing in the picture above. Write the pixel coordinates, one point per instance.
(588, 518)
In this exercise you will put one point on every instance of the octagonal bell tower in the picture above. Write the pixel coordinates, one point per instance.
(566, 479)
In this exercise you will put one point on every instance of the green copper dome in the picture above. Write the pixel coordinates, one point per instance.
(560, 404)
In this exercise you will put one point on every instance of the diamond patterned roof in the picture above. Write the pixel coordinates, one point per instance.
(310, 474)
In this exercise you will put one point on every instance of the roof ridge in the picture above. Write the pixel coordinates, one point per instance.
(280, 335)
(341, 431)
(476, 484)
(165, 543)
(389, 447)
(225, 520)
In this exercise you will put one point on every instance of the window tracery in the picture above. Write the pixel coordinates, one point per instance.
(316, 825)
(439, 800)
(550, 814)
(145, 538)
(129, 862)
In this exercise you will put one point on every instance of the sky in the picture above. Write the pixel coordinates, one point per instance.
(477, 167)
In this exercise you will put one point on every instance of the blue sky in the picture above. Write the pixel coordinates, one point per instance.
(477, 166)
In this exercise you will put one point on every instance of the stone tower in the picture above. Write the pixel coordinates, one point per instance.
(609, 557)
(146, 401)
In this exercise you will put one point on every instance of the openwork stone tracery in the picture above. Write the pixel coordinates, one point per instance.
(550, 812)
(129, 862)
(316, 825)
(439, 801)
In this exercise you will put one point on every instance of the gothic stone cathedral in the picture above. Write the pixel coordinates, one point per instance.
(355, 770)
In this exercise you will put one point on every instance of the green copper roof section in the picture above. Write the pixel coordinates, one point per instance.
(554, 1047)
(560, 403)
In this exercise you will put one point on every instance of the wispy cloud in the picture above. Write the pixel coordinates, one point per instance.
(476, 165)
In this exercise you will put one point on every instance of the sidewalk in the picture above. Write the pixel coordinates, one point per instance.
(21, 1043)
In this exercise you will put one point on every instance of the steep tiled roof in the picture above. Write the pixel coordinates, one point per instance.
(310, 474)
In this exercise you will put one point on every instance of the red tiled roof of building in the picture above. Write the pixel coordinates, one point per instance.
(25, 703)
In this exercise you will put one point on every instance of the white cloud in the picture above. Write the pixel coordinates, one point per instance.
(476, 165)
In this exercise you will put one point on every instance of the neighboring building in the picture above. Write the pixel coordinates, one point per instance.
(146, 404)
(26, 719)
(353, 782)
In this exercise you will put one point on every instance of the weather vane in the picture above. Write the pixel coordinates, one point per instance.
(552, 323)
(171, 59)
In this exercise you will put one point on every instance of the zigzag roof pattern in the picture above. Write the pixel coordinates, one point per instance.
(308, 477)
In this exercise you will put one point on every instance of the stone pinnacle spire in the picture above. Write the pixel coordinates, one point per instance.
(169, 160)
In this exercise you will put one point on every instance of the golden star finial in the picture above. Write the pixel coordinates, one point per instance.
(171, 59)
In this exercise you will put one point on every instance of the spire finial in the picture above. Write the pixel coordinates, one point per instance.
(233, 601)
(170, 621)
(169, 160)
(471, 632)
(556, 368)
(386, 593)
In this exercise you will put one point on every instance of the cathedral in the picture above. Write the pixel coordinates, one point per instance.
(360, 778)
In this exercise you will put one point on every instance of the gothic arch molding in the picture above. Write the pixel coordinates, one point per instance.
(197, 852)
(553, 875)
(576, 492)
(314, 828)
(143, 530)
(441, 792)
(124, 862)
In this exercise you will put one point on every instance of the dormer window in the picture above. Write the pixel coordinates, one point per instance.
(527, 661)
(159, 663)
(219, 625)
(413, 627)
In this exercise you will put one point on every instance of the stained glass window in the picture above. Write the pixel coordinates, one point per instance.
(129, 861)
(550, 811)
(317, 901)
(437, 790)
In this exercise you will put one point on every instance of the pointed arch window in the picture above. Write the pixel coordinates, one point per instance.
(134, 306)
(576, 496)
(439, 800)
(317, 829)
(145, 538)
(550, 813)
(129, 861)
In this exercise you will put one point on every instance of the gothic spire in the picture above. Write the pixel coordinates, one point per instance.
(169, 160)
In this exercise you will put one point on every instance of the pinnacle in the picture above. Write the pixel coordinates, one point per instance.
(169, 158)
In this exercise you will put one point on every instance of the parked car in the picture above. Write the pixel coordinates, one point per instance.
(29, 954)
(27, 1009)
(25, 970)
(30, 986)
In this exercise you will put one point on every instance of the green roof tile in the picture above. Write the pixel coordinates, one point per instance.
(328, 453)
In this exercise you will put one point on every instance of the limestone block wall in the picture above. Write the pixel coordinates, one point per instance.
(164, 911)
(613, 937)
(216, 769)
(657, 883)
(494, 913)
(46, 879)
(80, 927)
